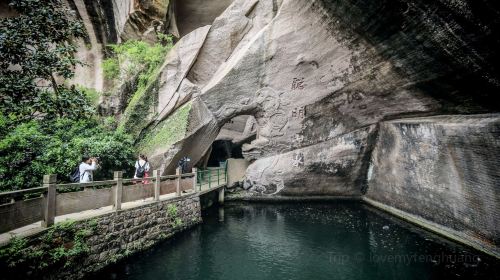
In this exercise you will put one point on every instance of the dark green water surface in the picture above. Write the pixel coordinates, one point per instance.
(337, 240)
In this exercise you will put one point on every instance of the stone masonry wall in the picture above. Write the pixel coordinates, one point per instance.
(443, 169)
(75, 249)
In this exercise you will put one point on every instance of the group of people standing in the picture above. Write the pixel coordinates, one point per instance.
(83, 173)
(89, 164)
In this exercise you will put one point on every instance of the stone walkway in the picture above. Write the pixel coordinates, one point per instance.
(37, 227)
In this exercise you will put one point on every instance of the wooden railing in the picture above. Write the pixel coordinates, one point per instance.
(24, 207)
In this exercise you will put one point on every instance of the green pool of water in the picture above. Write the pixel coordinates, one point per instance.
(304, 241)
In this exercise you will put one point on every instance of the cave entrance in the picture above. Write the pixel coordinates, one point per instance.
(222, 150)
(228, 145)
(233, 135)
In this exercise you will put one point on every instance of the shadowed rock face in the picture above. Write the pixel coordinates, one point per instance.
(445, 48)
(444, 169)
(115, 20)
(5, 10)
(191, 14)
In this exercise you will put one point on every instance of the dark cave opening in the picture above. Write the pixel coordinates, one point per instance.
(222, 150)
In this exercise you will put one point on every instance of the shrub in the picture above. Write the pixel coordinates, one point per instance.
(91, 94)
(111, 68)
(172, 210)
(34, 149)
(133, 56)
(61, 245)
(39, 43)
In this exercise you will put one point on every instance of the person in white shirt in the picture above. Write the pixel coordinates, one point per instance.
(86, 167)
(142, 168)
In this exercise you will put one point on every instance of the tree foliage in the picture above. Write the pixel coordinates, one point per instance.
(36, 51)
(34, 149)
(45, 125)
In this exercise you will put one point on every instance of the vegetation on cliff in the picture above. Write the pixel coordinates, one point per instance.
(167, 132)
(139, 64)
(46, 125)
(135, 56)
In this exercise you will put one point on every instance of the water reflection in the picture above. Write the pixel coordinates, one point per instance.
(304, 241)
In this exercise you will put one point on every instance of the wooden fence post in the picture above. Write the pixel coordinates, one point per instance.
(49, 181)
(195, 175)
(221, 196)
(118, 177)
(178, 181)
(156, 174)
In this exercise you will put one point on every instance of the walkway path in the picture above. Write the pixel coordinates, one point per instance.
(209, 181)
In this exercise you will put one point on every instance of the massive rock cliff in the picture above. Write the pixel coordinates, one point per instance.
(312, 71)
(390, 100)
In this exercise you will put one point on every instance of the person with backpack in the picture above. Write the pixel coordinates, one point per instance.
(85, 169)
(183, 164)
(142, 168)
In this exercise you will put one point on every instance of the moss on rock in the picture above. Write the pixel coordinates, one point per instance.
(167, 132)
(139, 110)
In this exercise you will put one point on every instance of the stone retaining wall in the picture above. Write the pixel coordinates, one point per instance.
(443, 170)
(71, 250)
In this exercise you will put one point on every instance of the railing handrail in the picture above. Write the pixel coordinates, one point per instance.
(94, 184)
(22, 191)
(89, 184)
(117, 190)
(212, 168)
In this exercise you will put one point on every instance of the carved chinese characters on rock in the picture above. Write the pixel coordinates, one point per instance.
(299, 112)
(298, 84)
(297, 140)
(350, 98)
(298, 159)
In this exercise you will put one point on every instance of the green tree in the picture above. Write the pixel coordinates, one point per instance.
(36, 51)
(35, 148)
(45, 125)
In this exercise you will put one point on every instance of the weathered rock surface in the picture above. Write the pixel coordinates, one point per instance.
(236, 170)
(334, 167)
(233, 28)
(178, 62)
(308, 76)
(239, 129)
(444, 169)
(199, 134)
(146, 18)
(115, 20)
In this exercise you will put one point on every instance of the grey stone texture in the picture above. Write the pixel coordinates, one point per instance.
(306, 75)
(334, 167)
(443, 169)
(179, 60)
